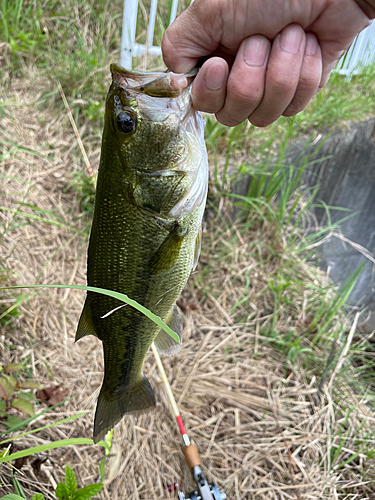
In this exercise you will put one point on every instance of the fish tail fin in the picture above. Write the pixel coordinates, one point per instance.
(114, 404)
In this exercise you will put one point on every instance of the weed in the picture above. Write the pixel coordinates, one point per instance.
(84, 187)
(20, 25)
(13, 395)
(5, 104)
(255, 271)
(10, 313)
(64, 490)
(341, 100)
(276, 202)
(67, 490)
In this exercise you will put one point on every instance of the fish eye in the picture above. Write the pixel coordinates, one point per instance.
(126, 122)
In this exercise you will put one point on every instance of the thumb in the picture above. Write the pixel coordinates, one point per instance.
(189, 38)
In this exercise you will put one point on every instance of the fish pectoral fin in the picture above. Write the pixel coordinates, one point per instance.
(167, 254)
(197, 248)
(85, 324)
(114, 403)
(164, 342)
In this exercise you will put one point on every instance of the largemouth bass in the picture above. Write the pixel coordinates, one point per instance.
(145, 236)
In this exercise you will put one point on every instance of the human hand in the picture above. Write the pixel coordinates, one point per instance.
(266, 57)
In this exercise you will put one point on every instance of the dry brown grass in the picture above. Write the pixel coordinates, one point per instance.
(251, 415)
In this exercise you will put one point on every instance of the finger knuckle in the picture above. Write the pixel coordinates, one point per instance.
(248, 98)
(308, 82)
(260, 122)
(283, 84)
(293, 109)
(208, 102)
(209, 107)
(227, 119)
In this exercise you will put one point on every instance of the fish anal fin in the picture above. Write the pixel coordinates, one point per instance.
(114, 404)
(85, 324)
(164, 342)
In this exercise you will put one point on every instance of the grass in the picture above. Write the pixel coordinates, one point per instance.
(274, 384)
(34, 33)
(259, 278)
(120, 296)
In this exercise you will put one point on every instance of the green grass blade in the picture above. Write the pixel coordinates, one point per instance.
(338, 302)
(41, 219)
(24, 149)
(351, 458)
(253, 202)
(18, 487)
(17, 16)
(63, 421)
(12, 496)
(30, 419)
(45, 447)
(5, 24)
(107, 443)
(116, 295)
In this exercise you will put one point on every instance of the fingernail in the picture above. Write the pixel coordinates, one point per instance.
(311, 45)
(256, 50)
(215, 76)
(291, 39)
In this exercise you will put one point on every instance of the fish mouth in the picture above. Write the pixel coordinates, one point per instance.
(154, 84)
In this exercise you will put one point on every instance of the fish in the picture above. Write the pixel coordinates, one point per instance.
(146, 232)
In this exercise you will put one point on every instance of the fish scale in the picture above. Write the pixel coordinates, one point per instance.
(145, 235)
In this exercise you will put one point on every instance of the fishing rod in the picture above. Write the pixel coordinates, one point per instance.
(205, 491)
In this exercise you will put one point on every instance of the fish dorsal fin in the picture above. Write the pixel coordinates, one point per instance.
(85, 324)
(197, 248)
(164, 342)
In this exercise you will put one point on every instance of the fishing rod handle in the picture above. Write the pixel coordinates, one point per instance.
(192, 456)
